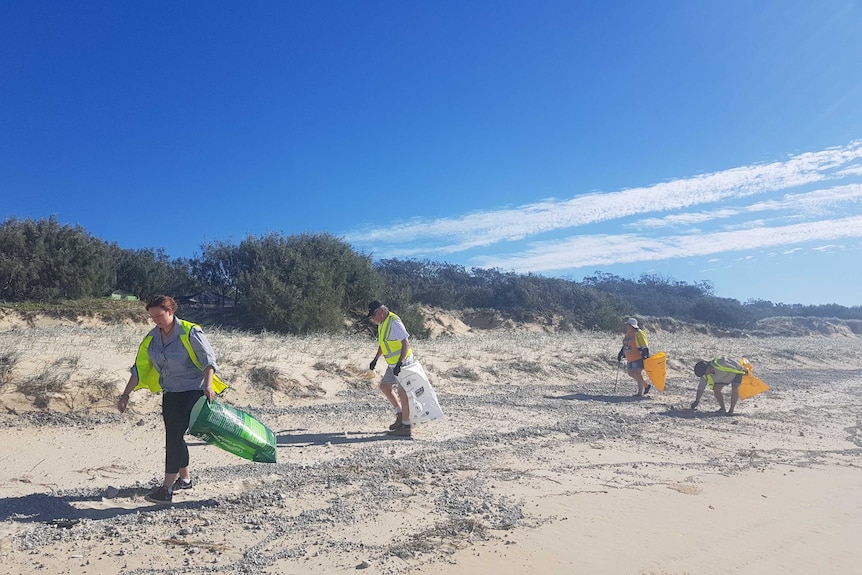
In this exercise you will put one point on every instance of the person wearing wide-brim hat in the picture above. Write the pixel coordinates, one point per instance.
(635, 350)
(393, 343)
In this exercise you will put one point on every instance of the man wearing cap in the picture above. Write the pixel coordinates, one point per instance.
(394, 345)
(717, 373)
(635, 351)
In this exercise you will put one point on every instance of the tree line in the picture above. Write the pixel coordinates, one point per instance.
(318, 283)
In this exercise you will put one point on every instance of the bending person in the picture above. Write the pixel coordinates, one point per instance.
(716, 374)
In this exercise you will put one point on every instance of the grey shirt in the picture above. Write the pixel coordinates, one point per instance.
(173, 363)
(722, 377)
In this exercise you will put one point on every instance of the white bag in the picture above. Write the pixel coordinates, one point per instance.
(423, 400)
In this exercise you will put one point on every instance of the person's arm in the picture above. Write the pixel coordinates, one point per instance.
(642, 344)
(202, 348)
(123, 401)
(377, 355)
(209, 371)
(405, 347)
(700, 389)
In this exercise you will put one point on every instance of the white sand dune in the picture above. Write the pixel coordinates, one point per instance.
(546, 464)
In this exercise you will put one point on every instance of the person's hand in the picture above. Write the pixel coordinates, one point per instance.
(209, 393)
(644, 352)
(397, 369)
(123, 403)
(373, 364)
(694, 404)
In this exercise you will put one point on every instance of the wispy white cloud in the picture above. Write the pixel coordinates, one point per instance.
(828, 248)
(808, 204)
(757, 207)
(482, 229)
(603, 250)
(849, 171)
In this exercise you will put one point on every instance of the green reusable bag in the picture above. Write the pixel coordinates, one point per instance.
(233, 430)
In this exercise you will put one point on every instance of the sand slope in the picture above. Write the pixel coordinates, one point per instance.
(546, 463)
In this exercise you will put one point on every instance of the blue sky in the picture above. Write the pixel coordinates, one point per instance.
(716, 140)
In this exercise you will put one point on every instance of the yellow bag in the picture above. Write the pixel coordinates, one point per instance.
(751, 385)
(656, 368)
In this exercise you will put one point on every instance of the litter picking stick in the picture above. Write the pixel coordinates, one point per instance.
(619, 367)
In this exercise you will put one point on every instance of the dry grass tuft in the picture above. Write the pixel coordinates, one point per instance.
(265, 376)
(69, 361)
(8, 360)
(272, 378)
(99, 387)
(460, 372)
(39, 387)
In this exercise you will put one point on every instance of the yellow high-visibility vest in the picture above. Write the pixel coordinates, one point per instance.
(717, 364)
(391, 349)
(148, 375)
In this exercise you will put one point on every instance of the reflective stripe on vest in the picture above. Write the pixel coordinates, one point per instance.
(391, 349)
(148, 375)
(722, 367)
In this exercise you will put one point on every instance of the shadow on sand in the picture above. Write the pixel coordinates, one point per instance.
(601, 398)
(290, 437)
(295, 438)
(59, 510)
(687, 413)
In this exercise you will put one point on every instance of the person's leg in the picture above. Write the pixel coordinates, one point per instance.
(386, 384)
(405, 406)
(405, 429)
(184, 473)
(177, 408)
(174, 442)
(189, 401)
(734, 397)
(719, 397)
(164, 494)
(637, 375)
(386, 388)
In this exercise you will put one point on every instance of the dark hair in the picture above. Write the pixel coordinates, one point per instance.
(165, 302)
(700, 368)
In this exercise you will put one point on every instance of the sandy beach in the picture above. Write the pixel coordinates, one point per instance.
(546, 463)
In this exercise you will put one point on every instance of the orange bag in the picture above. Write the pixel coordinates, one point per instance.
(656, 368)
(751, 386)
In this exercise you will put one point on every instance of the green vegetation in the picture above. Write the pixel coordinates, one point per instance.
(316, 283)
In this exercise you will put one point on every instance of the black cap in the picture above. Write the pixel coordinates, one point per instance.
(700, 368)
(373, 307)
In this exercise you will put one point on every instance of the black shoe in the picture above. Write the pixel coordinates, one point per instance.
(648, 387)
(161, 495)
(403, 431)
(180, 484)
(397, 423)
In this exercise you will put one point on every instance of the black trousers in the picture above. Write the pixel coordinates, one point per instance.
(176, 410)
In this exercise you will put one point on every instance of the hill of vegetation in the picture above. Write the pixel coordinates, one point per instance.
(317, 283)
